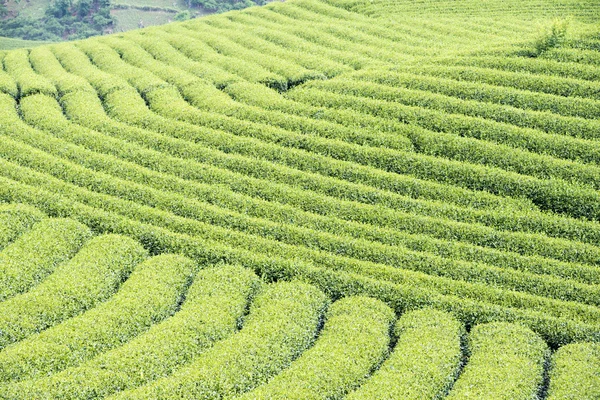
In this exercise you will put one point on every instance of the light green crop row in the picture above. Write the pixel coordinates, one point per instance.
(36, 254)
(345, 37)
(480, 71)
(151, 294)
(554, 195)
(169, 103)
(401, 221)
(16, 63)
(8, 84)
(188, 208)
(333, 261)
(89, 278)
(274, 33)
(529, 68)
(441, 94)
(250, 37)
(201, 52)
(555, 330)
(354, 341)
(444, 141)
(214, 306)
(423, 110)
(282, 323)
(424, 363)
(16, 219)
(204, 95)
(358, 249)
(506, 362)
(578, 56)
(131, 107)
(306, 39)
(273, 210)
(72, 58)
(574, 372)
(293, 73)
(546, 106)
(45, 64)
(581, 200)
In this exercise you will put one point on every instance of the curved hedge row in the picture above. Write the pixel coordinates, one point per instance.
(16, 64)
(16, 219)
(491, 72)
(361, 250)
(84, 281)
(506, 361)
(425, 360)
(336, 262)
(555, 330)
(439, 113)
(354, 340)
(151, 294)
(487, 93)
(214, 306)
(574, 372)
(274, 213)
(36, 253)
(282, 323)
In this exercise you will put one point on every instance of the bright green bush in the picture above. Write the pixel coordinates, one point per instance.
(90, 277)
(151, 294)
(506, 361)
(276, 213)
(16, 219)
(46, 64)
(253, 243)
(353, 342)
(574, 372)
(425, 360)
(546, 106)
(555, 330)
(17, 65)
(512, 72)
(8, 84)
(282, 323)
(37, 253)
(214, 306)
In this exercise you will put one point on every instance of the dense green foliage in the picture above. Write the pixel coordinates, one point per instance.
(90, 277)
(506, 361)
(359, 162)
(353, 342)
(281, 324)
(425, 361)
(213, 308)
(574, 373)
(37, 253)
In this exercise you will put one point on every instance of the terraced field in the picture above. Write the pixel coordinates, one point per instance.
(307, 200)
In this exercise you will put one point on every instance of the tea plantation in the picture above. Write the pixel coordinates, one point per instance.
(315, 199)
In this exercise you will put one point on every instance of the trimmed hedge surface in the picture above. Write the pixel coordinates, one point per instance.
(151, 294)
(353, 342)
(282, 323)
(38, 252)
(16, 219)
(424, 363)
(214, 307)
(506, 361)
(89, 278)
(575, 372)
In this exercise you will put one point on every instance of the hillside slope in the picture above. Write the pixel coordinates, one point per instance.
(426, 154)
